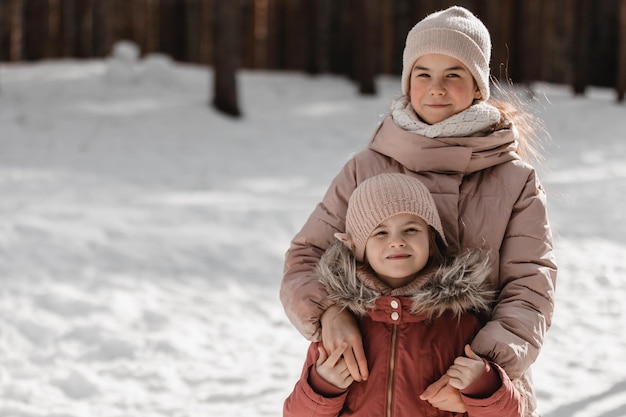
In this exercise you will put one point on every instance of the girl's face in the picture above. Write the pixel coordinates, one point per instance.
(440, 87)
(398, 249)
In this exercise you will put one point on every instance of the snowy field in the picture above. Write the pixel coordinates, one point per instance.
(142, 237)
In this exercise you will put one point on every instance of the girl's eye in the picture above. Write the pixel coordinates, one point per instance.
(379, 233)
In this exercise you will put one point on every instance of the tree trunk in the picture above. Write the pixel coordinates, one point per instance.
(581, 47)
(621, 52)
(226, 57)
(16, 30)
(364, 40)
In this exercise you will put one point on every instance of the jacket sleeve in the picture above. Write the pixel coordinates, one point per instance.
(305, 401)
(507, 401)
(302, 296)
(527, 278)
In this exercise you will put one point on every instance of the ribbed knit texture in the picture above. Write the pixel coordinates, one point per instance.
(383, 196)
(455, 32)
(476, 119)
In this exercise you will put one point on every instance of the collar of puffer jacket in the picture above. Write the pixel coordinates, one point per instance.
(446, 155)
(458, 286)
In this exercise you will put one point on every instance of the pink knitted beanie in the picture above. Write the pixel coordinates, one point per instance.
(455, 32)
(381, 197)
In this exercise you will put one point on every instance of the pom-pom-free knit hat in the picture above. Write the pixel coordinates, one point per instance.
(455, 32)
(381, 197)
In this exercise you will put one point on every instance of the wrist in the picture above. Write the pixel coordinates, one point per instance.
(329, 314)
(485, 385)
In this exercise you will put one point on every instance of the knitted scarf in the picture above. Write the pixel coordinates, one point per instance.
(474, 120)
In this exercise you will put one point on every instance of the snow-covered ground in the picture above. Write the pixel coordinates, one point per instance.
(142, 237)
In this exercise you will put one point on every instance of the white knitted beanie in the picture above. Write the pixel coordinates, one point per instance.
(455, 32)
(381, 197)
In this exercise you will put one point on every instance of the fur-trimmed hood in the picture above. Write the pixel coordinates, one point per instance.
(458, 286)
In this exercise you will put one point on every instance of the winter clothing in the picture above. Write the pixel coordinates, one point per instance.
(411, 336)
(480, 117)
(455, 32)
(377, 199)
(486, 197)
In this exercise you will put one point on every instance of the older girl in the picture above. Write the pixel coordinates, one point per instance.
(472, 154)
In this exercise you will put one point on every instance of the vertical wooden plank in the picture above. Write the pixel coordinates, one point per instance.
(322, 33)
(275, 34)
(249, 26)
(206, 33)
(68, 28)
(365, 42)
(621, 52)
(345, 53)
(5, 29)
(227, 57)
(85, 21)
(16, 30)
(296, 46)
(98, 29)
(533, 45)
(171, 29)
(203, 23)
(138, 23)
(312, 18)
(604, 38)
(335, 52)
(179, 31)
(386, 37)
(559, 37)
(35, 29)
(499, 19)
(259, 39)
(190, 31)
(581, 46)
(405, 16)
(502, 52)
(103, 27)
(166, 28)
(152, 23)
(570, 30)
(53, 38)
(547, 52)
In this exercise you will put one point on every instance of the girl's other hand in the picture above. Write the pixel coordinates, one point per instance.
(338, 327)
(466, 369)
(333, 367)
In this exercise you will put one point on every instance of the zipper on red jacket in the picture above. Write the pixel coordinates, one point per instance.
(392, 366)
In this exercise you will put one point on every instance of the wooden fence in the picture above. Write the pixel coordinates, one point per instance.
(576, 42)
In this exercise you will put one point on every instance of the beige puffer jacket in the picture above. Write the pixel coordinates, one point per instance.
(486, 197)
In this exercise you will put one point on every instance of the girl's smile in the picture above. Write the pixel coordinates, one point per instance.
(440, 87)
(398, 249)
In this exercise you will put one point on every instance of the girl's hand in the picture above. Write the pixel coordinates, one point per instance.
(466, 369)
(333, 368)
(440, 394)
(338, 327)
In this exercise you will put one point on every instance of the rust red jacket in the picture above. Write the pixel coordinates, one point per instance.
(411, 337)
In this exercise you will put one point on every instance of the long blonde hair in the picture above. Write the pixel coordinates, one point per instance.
(515, 110)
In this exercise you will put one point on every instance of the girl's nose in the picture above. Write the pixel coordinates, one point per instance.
(436, 88)
(397, 242)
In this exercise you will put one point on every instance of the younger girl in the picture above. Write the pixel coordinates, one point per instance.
(417, 310)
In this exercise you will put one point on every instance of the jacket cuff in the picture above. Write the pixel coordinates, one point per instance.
(485, 385)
